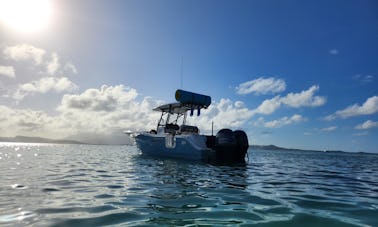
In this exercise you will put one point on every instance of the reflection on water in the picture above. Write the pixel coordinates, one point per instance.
(110, 185)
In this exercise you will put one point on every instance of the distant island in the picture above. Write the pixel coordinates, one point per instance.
(27, 139)
(90, 141)
(276, 148)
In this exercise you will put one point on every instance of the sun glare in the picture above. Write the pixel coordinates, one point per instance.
(25, 15)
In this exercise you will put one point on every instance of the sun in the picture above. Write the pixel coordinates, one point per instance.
(25, 15)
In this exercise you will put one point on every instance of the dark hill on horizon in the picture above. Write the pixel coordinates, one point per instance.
(28, 139)
(276, 148)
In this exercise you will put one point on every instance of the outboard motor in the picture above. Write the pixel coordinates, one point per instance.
(241, 146)
(230, 146)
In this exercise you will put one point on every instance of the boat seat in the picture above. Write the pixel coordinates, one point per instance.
(189, 129)
(171, 128)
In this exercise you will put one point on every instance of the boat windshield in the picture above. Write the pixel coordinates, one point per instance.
(173, 112)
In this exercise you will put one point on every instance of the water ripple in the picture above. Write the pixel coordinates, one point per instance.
(69, 185)
(16, 217)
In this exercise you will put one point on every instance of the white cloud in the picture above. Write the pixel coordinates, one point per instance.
(107, 98)
(113, 107)
(239, 104)
(70, 68)
(370, 106)
(329, 129)
(22, 52)
(369, 124)
(24, 122)
(53, 65)
(269, 106)
(45, 85)
(361, 133)
(296, 118)
(7, 71)
(305, 98)
(50, 62)
(107, 113)
(224, 114)
(363, 79)
(261, 86)
(333, 51)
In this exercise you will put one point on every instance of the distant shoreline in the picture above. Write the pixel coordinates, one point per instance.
(31, 139)
(28, 139)
(276, 148)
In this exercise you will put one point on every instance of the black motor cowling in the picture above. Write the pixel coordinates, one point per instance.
(231, 147)
(241, 145)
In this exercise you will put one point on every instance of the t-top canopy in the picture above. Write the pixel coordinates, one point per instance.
(186, 101)
(176, 108)
(190, 98)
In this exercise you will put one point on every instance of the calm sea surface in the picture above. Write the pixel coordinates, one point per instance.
(83, 185)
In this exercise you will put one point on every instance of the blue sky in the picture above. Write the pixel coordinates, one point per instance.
(297, 74)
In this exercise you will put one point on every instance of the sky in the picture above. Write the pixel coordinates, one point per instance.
(297, 74)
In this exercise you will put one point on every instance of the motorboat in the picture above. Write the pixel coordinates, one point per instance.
(174, 138)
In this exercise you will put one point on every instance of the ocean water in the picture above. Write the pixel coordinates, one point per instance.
(84, 185)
